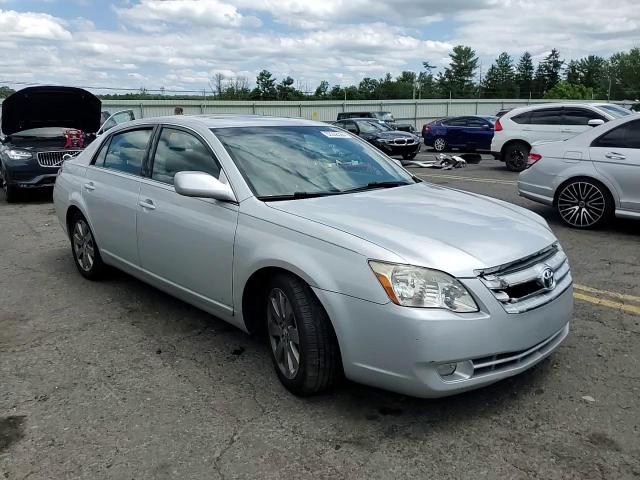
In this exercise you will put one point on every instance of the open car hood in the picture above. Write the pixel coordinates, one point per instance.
(42, 107)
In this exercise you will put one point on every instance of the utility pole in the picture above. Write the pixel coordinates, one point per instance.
(609, 90)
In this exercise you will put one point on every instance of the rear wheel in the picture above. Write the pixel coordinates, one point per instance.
(516, 155)
(439, 144)
(304, 349)
(584, 203)
(86, 254)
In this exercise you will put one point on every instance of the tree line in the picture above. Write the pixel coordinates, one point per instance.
(591, 77)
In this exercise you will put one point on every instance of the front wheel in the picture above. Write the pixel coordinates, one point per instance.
(516, 156)
(304, 349)
(86, 254)
(584, 203)
(439, 144)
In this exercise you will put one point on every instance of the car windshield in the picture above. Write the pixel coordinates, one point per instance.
(386, 116)
(369, 127)
(616, 110)
(298, 161)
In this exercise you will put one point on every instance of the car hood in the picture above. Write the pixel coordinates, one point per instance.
(395, 134)
(43, 107)
(432, 226)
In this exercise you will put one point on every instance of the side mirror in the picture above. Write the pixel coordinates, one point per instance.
(596, 122)
(202, 185)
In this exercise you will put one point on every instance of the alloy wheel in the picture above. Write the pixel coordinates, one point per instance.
(439, 144)
(581, 204)
(83, 245)
(283, 333)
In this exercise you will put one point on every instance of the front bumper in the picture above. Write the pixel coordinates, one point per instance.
(29, 174)
(399, 149)
(400, 349)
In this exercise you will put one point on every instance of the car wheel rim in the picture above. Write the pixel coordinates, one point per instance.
(517, 157)
(283, 333)
(581, 204)
(439, 144)
(83, 245)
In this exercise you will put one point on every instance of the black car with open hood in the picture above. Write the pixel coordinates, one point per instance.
(41, 127)
(390, 141)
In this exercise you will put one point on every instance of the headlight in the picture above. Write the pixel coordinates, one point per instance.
(19, 154)
(411, 286)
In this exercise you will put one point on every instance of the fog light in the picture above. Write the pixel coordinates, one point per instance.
(447, 369)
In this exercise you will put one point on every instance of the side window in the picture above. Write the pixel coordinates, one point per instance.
(522, 119)
(579, 116)
(456, 122)
(477, 123)
(126, 151)
(625, 136)
(99, 158)
(178, 151)
(351, 127)
(547, 116)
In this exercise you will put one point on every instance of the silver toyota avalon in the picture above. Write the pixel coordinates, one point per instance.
(345, 262)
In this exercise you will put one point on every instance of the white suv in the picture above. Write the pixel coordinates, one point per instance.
(519, 129)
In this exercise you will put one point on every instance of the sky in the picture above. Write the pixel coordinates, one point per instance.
(182, 44)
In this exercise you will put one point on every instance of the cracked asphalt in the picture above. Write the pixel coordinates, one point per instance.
(117, 380)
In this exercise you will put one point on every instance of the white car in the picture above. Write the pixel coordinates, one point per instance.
(588, 178)
(519, 129)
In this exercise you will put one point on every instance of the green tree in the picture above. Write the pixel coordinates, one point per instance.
(569, 91)
(624, 74)
(548, 73)
(286, 90)
(265, 86)
(459, 75)
(499, 81)
(368, 88)
(6, 91)
(524, 75)
(322, 90)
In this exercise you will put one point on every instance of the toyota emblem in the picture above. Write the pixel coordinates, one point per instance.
(547, 279)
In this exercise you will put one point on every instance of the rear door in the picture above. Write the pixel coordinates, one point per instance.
(110, 192)
(185, 241)
(545, 124)
(616, 155)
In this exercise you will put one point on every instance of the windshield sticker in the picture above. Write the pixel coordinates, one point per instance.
(335, 134)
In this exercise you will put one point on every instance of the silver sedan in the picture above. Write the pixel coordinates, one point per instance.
(589, 178)
(345, 262)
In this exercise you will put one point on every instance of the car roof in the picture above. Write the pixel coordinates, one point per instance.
(226, 120)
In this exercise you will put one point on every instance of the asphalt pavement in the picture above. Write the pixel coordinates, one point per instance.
(115, 379)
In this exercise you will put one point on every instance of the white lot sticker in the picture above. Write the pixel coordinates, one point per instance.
(335, 134)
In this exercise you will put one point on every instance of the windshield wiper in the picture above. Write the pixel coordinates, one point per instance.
(376, 185)
(297, 195)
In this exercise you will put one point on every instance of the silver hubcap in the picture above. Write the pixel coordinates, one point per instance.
(83, 245)
(581, 204)
(283, 333)
(439, 144)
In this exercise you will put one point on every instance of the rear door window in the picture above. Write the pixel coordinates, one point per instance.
(522, 119)
(127, 150)
(624, 136)
(547, 116)
(580, 116)
(456, 122)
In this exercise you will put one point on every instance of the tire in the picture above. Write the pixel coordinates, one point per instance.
(516, 155)
(584, 203)
(10, 192)
(318, 355)
(84, 248)
(409, 156)
(439, 144)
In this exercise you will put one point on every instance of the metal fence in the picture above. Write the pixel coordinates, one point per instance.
(416, 112)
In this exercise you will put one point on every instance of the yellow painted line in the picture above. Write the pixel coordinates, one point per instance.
(620, 296)
(468, 179)
(607, 303)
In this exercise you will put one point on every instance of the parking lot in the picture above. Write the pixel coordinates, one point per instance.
(117, 380)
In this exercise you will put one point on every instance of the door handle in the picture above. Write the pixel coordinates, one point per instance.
(147, 204)
(567, 131)
(615, 156)
(89, 186)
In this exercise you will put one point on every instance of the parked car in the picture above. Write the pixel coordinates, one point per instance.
(520, 128)
(343, 260)
(471, 133)
(504, 111)
(41, 127)
(589, 178)
(386, 117)
(391, 142)
(110, 121)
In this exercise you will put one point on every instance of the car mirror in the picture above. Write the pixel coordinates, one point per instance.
(202, 185)
(596, 122)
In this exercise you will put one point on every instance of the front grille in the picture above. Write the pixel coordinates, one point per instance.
(504, 361)
(521, 286)
(55, 159)
(404, 141)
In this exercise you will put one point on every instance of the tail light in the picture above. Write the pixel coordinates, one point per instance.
(498, 126)
(426, 128)
(533, 158)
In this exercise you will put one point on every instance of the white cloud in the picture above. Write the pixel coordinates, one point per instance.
(32, 25)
